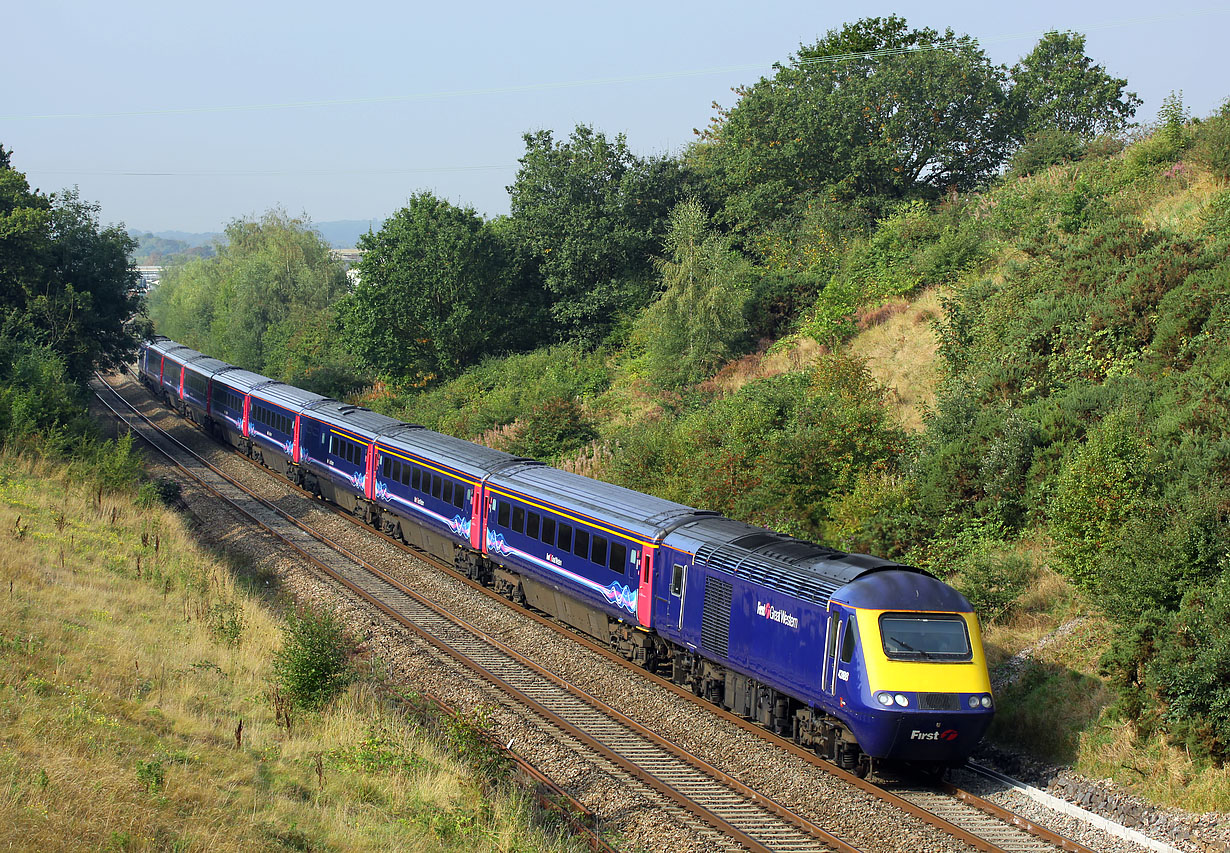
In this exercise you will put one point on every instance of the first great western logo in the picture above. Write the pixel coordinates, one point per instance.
(776, 614)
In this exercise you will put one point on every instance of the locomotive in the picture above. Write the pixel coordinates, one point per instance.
(863, 659)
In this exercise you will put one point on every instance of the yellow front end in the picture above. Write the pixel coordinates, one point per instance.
(922, 676)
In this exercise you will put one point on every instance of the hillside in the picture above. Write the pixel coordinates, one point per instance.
(1027, 372)
(139, 712)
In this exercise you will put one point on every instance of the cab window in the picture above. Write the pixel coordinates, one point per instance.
(925, 636)
(847, 644)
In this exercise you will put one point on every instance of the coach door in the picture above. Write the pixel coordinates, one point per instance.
(828, 678)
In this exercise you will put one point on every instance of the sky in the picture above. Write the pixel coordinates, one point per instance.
(179, 116)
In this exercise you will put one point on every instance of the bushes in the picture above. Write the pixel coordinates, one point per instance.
(313, 664)
(1172, 670)
(776, 453)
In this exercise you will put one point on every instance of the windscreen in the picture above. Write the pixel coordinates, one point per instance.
(916, 636)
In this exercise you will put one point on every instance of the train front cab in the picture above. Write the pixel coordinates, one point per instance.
(904, 666)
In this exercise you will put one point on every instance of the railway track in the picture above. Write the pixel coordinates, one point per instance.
(966, 817)
(722, 802)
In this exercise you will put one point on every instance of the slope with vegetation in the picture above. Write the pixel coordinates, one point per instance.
(898, 299)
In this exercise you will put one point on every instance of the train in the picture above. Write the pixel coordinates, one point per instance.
(865, 660)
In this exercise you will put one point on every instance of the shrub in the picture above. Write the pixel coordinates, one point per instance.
(313, 664)
(555, 427)
(1046, 149)
(162, 490)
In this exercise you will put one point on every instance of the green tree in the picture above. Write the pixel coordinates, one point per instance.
(591, 214)
(67, 282)
(698, 320)
(265, 301)
(1058, 89)
(433, 294)
(872, 109)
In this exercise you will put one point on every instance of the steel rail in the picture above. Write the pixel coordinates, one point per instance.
(743, 825)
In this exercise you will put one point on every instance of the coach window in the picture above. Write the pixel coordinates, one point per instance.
(564, 539)
(532, 521)
(446, 492)
(548, 530)
(677, 580)
(580, 544)
(619, 557)
(437, 485)
(502, 512)
(518, 519)
(459, 496)
(416, 479)
(598, 550)
(404, 478)
(847, 646)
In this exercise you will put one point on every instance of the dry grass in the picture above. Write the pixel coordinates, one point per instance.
(121, 691)
(1154, 769)
(787, 356)
(1179, 209)
(902, 353)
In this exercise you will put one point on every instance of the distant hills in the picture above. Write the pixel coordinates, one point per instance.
(159, 248)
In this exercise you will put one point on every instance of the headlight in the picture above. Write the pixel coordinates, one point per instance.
(973, 701)
(884, 698)
(986, 701)
(901, 700)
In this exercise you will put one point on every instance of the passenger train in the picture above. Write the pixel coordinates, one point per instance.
(862, 659)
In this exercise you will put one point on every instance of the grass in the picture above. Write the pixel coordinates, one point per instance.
(128, 658)
(902, 353)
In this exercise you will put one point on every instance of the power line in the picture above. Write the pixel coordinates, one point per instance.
(258, 173)
(573, 84)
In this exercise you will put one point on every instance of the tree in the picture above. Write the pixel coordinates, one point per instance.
(68, 283)
(1058, 89)
(592, 213)
(433, 295)
(872, 109)
(696, 322)
(264, 301)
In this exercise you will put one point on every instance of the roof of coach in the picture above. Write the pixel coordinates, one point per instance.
(357, 419)
(794, 566)
(208, 366)
(182, 354)
(242, 380)
(474, 460)
(643, 515)
(895, 590)
(160, 344)
(287, 396)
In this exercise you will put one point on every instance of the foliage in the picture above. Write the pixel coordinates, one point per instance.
(1107, 482)
(160, 491)
(591, 214)
(1212, 146)
(68, 284)
(552, 429)
(1046, 148)
(313, 664)
(698, 321)
(498, 391)
(432, 296)
(1057, 90)
(912, 247)
(874, 109)
(152, 250)
(40, 404)
(775, 453)
(263, 302)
